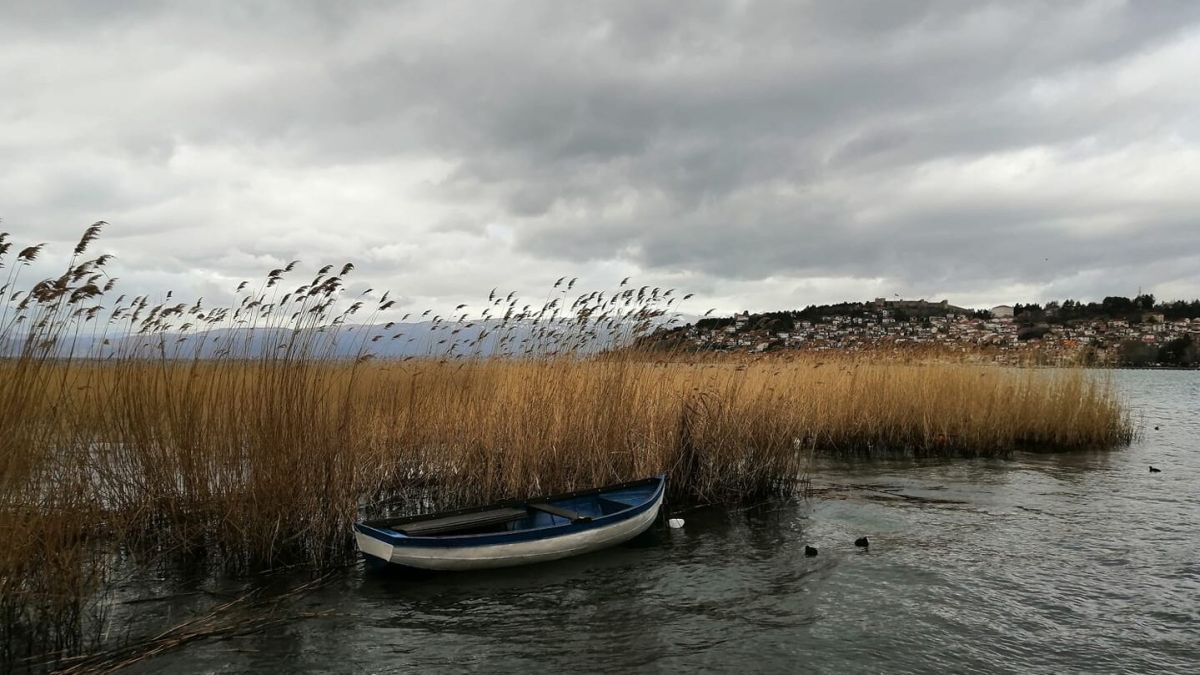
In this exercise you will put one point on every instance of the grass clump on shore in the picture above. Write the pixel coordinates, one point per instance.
(253, 435)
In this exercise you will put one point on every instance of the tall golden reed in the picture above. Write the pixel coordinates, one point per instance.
(250, 436)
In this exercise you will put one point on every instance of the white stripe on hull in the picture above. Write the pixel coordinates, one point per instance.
(516, 553)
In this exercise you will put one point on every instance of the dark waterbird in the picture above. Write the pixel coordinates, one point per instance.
(809, 552)
(862, 542)
(1154, 470)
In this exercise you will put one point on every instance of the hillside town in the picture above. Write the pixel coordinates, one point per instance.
(1005, 333)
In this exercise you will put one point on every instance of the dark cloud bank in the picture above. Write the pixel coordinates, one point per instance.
(765, 154)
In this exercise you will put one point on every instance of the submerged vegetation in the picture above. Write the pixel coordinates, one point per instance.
(253, 435)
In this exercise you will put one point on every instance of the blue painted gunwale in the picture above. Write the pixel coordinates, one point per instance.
(529, 534)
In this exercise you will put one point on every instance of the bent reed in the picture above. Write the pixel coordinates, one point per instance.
(253, 436)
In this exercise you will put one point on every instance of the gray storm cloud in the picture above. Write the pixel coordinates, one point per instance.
(766, 154)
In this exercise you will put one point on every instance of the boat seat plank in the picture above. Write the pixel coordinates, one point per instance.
(560, 512)
(465, 521)
(616, 503)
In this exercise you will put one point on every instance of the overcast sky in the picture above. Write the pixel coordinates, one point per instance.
(763, 155)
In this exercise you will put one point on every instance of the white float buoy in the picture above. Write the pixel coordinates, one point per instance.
(675, 523)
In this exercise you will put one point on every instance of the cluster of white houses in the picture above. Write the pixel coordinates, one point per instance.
(955, 329)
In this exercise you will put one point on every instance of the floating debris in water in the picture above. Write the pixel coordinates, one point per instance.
(809, 552)
(1155, 470)
(862, 542)
(675, 523)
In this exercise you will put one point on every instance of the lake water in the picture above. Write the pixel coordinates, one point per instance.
(1041, 563)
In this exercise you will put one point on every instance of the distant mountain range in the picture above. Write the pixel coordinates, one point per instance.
(397, 340)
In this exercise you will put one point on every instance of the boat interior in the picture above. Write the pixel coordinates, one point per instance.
(539, 513)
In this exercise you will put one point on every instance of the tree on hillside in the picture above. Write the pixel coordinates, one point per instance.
(1033, 332)
(1180, 309)
(1182, 351)
(777, 321)
(1136, 353)
(1117, 306)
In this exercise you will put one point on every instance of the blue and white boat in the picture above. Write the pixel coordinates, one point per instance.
(515, 532)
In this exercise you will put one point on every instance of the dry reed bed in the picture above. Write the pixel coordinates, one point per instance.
(255, 465)
(262, 451)
(271, 463)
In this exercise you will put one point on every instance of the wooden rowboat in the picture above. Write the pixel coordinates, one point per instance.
(515, 532)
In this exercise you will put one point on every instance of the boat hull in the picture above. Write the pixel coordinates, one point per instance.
(493, 552)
